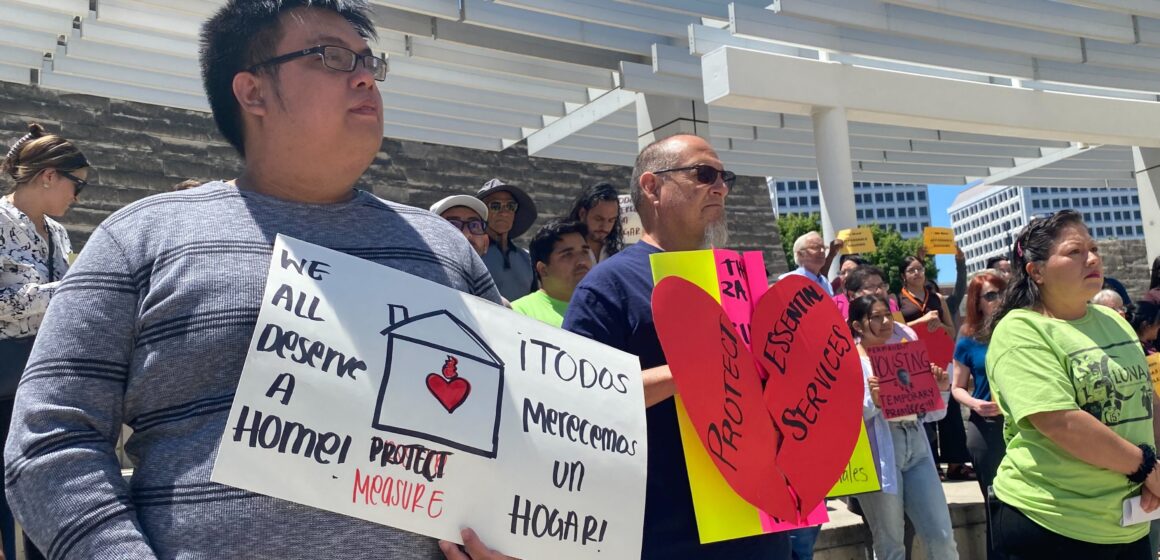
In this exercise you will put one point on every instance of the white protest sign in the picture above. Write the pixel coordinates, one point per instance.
(383, 396)
(629, 221)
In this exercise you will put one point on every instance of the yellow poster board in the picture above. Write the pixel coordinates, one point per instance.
(939, 240)
(857, 241)
(861, 475)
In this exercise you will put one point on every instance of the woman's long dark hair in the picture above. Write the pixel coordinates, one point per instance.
(860, 309)
(588, 199)
(1032, 246)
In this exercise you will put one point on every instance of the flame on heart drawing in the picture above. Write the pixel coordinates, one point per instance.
(449, 389)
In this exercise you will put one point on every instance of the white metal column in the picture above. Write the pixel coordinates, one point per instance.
(835, 175)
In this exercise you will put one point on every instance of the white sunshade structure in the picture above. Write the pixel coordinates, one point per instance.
(1027, 92)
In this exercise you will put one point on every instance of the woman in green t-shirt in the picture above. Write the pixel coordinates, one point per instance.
(1073, 385)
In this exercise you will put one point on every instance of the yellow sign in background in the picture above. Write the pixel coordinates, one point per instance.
(858, 241)
(939, 240)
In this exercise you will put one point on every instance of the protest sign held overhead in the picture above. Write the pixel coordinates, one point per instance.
(858, 241)
(906, 383)
(938, 240)
(382, 396)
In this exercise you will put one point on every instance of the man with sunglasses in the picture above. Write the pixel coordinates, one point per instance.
(153, 323)
(469, 215)
(510, 213)
(679, 188)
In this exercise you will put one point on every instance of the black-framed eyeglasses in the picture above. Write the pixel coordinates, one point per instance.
(335, 58)
(991, 297)
(476, 227)
(509, 206)
(706, 174)
(78, 183)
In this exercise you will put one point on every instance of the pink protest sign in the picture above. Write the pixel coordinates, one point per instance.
(906, 383)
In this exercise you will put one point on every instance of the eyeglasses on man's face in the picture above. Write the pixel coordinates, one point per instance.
(508, 206)
(78, 183)
(477, 227)
(335, 58)
(706, 174)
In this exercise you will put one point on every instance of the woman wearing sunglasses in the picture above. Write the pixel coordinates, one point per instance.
(48, 173)
(971, 388)
(1073, 385)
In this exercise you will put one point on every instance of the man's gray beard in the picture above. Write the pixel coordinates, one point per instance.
(717, 234)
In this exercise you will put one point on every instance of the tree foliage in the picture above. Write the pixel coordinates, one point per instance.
(892, 248)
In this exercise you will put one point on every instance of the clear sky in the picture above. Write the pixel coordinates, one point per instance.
(941, 197)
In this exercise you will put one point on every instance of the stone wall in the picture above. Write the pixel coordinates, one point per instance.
(1126, 260)
(140, 149)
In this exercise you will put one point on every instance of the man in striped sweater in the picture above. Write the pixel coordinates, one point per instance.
(152, 325)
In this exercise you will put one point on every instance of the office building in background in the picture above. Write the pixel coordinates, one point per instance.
(987, 218)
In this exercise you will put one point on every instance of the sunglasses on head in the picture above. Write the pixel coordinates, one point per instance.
(706, 174)
(477, 227)
(78, 183)
(509, 206)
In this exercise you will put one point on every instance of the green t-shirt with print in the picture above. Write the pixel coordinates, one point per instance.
(1037, 364)
(542, 307)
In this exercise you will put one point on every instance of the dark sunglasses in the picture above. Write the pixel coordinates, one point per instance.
(335, 58)
(706, 174)
(509, 206)
(990, 297)
(477, 227)
(78, 183)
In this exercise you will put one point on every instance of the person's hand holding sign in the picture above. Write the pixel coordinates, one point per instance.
(475, 549)
(872, 382)
(932, 320)
(940, 375)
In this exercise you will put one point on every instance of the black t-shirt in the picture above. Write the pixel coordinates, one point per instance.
(613, 306)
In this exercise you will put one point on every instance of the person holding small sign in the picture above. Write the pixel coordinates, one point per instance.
(154, 321)
(1073, 384)
(911, 485)
(809, 252)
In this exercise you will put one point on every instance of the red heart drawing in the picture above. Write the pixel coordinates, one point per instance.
(815, 391)
(719, 384)
(451, 393)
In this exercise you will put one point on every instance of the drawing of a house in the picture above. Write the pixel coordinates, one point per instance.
(442, 383)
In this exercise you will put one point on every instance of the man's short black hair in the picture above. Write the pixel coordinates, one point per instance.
(857, 259)
(553, 231)
(245, 32)
(992, 261)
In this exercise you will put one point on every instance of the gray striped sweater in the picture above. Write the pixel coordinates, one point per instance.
(150, 328)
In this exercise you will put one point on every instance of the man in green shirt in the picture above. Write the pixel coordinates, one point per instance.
(561, 257)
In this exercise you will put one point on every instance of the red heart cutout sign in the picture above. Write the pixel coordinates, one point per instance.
(721, 390)
(815, 391)
(451, 393)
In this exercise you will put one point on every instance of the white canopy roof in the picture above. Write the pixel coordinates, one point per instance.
(565, 75)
